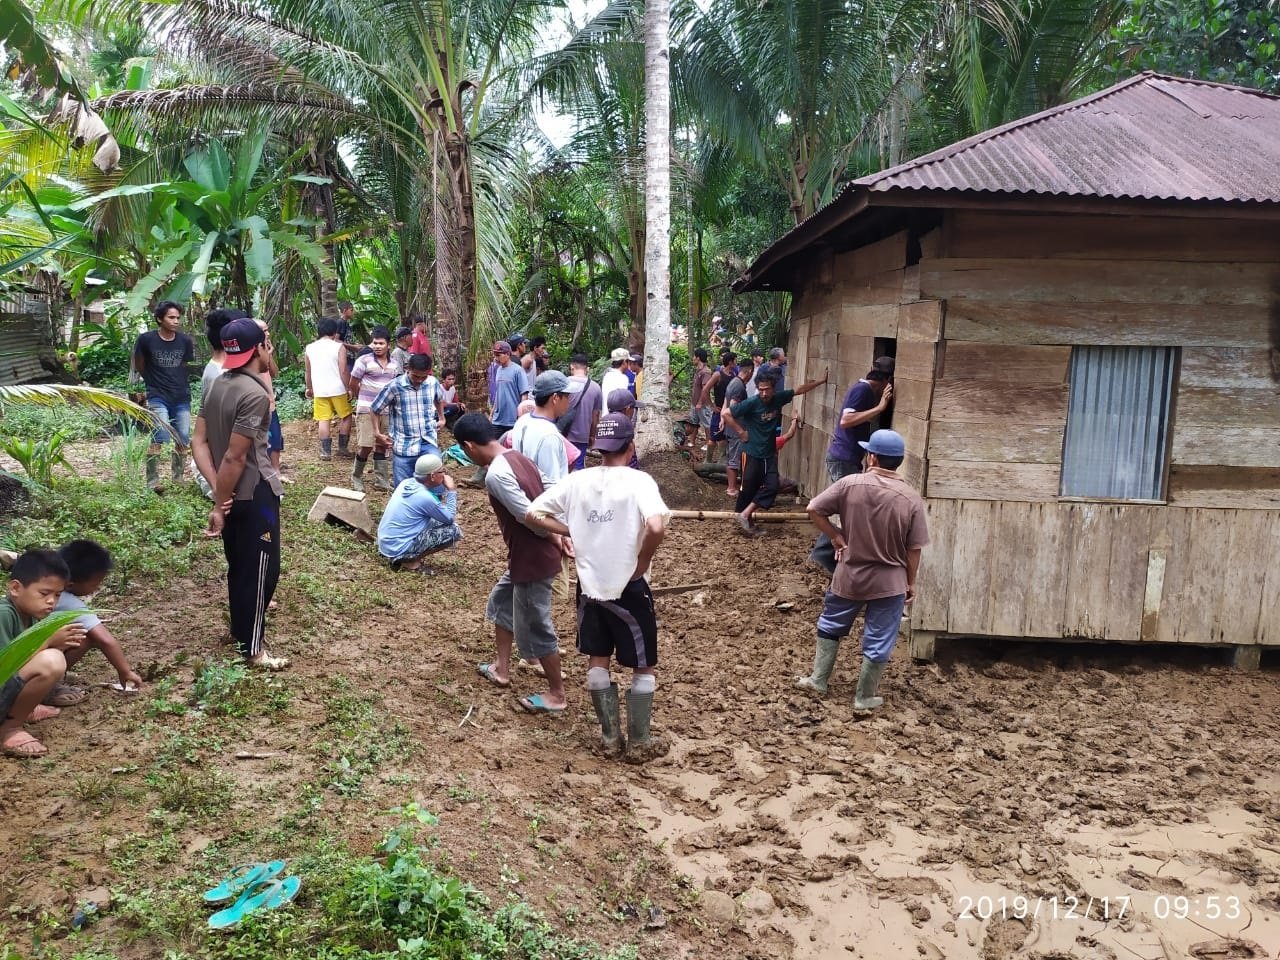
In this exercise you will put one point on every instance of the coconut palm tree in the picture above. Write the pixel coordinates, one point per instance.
(655, 431)
(424, 91)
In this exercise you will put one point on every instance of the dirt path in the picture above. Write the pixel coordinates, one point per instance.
(777, 827)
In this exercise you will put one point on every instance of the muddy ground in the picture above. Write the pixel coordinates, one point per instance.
(1009, 801)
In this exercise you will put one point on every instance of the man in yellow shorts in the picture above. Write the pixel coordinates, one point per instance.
(328, 384)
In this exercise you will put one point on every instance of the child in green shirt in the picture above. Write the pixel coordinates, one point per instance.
(35, 583)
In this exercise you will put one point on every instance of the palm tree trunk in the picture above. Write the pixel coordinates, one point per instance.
(455, 233)
(654, 433)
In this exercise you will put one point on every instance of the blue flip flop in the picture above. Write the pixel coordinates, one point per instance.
(241, 878)
(265, 896)
(535, 704)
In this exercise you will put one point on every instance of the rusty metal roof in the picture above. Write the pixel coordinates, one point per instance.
(1149, 138)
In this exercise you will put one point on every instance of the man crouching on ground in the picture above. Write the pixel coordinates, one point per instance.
(616, 519)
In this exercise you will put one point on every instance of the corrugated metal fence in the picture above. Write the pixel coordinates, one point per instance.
(24, 333)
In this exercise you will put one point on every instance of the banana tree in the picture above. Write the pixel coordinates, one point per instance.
(217, 225)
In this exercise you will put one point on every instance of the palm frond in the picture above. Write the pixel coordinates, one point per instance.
(95, 398)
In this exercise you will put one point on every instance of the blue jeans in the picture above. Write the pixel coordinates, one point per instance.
(882, 621)
(402, 467)
(177, 415)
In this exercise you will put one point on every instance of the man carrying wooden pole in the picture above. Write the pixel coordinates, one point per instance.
(877, 550)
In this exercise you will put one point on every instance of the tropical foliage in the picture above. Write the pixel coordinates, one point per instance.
(483, 163)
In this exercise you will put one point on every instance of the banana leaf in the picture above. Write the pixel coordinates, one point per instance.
(24, 645)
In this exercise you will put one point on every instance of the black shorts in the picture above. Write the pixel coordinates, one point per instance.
(625, 628)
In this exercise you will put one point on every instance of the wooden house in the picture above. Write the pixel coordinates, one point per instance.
(1085, 310)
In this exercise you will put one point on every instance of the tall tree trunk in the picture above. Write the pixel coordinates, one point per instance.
(637, 292)
(455, 235)
(654, 434)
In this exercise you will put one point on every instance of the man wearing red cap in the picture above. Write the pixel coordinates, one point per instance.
(230, 447)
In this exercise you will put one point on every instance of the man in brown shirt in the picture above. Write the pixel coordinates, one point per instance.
(230, 448)
(877, 550)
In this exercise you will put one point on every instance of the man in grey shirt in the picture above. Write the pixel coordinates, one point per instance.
(736, 392)
(584, 414)
(230, 447)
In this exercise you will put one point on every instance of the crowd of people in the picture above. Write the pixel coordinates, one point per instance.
(530, 449)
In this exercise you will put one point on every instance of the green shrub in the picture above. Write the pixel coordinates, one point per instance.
(104, 364)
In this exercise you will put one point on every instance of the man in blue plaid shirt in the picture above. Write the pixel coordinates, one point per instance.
(415, 413)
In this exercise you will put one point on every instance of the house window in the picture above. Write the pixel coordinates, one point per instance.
(1117, 439)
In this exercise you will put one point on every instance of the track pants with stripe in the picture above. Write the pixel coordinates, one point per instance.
(251, 542)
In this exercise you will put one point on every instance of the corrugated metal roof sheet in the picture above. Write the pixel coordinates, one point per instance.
(1148, 138)
(1151, 137)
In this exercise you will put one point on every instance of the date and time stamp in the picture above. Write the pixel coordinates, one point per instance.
(1082, 907)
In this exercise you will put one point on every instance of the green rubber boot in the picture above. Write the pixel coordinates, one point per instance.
(640, 745)
(606, 704)
(178, 466)
(153, 472)
(865, 699)
(382, 474)
(357, 468)
(824, 661)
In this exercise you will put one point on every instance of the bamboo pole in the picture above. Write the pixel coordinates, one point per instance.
(759, 515)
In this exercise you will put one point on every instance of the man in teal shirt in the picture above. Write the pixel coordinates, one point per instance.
(755, 420)
(420, 516)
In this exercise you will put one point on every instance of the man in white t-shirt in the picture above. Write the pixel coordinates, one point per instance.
(536, 435)
(615, 378)
(616, 519)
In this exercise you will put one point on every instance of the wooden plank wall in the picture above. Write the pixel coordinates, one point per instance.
(1124, 572)
(1021, 289)
(834, 327)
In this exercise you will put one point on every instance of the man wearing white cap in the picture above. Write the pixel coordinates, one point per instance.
(420, 516)
(615, 378)
(877, 550)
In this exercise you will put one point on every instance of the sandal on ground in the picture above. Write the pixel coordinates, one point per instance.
(64, 695)
(264, 896)
(265, 661)
(731, 493)
(486, 670)
(241, 878)
(42, 712)
(23, 746)
(536, 704)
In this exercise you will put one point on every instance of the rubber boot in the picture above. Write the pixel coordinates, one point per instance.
(178, 466)
(382, 473)
(344, 440)
(153, 472)
(641, 746)
(824, 660)
(326, 449)
(357, 468)
(865, 699)
(476, 479)
(606, 704)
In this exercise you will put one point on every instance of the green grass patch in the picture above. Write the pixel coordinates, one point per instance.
(395, 904)
(29, 421)
(148, 535)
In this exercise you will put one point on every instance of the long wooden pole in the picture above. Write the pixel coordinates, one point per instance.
(730, 515)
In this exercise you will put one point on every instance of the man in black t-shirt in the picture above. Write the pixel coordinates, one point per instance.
(160, 357)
